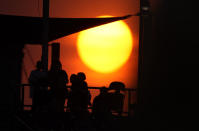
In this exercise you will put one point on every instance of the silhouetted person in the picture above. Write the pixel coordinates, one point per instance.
(37, 79)
(117, 98)
(101, 105)
(78, 101)
(84, 87)
(101, 111)
(71, 97)
(79, 97)
(57, 79)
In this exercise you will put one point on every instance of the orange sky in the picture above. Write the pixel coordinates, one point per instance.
(82, 8)
(69, 56)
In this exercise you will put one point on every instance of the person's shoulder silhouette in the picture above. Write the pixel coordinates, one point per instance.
(57, 76)
(101, 103)
(37, 76)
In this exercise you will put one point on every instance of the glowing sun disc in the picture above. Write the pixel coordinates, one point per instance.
(105, 48)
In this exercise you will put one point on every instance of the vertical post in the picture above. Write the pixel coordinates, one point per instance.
(22, 98)
(144, 44)
(129, 103)
(140, 56)
(55, 52)
(45, 35)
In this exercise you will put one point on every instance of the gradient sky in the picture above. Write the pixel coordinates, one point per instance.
(70, 8)
(69, 56)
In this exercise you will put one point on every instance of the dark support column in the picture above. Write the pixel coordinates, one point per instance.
(45, 34)
(55, 52)
(145, 45)
(140, 59)
(145, 68)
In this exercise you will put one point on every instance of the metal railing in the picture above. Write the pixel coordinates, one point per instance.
(23, 86)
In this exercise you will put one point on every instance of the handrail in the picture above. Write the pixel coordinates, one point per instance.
(129, 90)
(90, 87)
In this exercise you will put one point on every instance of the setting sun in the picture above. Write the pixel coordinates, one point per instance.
(105, 48)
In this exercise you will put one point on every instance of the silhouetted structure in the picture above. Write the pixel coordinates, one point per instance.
(31, 27)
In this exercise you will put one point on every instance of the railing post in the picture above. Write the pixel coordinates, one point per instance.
(22, 98)
(129, 102)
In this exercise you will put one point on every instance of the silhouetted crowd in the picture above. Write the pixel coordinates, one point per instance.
(50, 94)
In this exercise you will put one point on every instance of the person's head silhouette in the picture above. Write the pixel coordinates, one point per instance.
(73, 78)
(117, 86)
(81, 76)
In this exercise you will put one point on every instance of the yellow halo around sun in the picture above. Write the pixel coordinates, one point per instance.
(105, 48)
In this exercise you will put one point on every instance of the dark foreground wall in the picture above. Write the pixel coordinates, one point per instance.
(169, 64)
(11, 61)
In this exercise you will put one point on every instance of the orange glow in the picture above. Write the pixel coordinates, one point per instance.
(105, 48)
(69, 55)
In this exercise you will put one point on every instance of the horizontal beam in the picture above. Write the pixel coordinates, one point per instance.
(126, 89)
